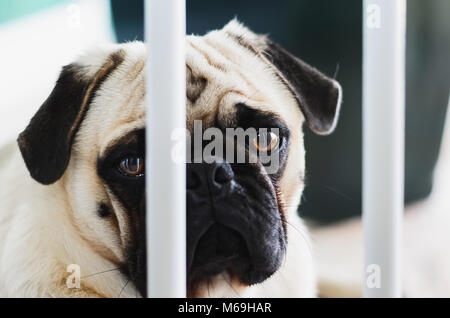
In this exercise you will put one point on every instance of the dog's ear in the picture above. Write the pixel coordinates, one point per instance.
(318, 96)
(46, 143)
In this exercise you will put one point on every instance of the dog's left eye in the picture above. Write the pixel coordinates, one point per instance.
(266, 141)
(132, 166)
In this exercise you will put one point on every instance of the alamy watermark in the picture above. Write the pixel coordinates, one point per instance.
(373, 276)
(373, 16)
(74, 279)
(73, 16)
(233, 145)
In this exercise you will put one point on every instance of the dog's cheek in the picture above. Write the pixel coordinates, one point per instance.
(86, 195)
(292, 181)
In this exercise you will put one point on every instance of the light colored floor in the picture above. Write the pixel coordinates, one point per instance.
(426, 244)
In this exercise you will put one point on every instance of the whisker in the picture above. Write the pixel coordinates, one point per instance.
(103, 272)
(229, 284)
(300, 231)
(303, 234)
(334, 190)
(336, 72)
(207, 285)
(123, 288)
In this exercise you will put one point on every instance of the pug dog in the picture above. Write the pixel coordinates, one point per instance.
(72, 199)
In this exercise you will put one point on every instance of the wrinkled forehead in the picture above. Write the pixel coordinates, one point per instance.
(221, 73)
(119, 104)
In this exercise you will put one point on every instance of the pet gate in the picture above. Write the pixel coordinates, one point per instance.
(383, 143)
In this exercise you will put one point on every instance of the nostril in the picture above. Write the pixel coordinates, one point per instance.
(223, 174)
(208, 176)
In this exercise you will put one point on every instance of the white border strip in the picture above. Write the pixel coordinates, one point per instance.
(166, 113)
(383, 144)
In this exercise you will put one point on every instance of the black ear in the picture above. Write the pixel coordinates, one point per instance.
(318, 96)
(46, 143)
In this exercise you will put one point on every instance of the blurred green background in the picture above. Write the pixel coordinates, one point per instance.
(13, 9)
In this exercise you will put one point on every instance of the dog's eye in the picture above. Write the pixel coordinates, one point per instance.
(266, 141)
(132, 166)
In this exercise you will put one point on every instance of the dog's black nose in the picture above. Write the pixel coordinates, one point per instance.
(209, 176)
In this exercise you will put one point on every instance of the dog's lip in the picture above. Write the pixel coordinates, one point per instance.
(191, 257)
(250, 266)
(222, 260)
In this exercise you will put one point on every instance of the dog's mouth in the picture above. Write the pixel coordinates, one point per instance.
(225, 253)
(220, 250)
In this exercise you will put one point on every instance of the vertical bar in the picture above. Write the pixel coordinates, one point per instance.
(165, 28)
(383, 143)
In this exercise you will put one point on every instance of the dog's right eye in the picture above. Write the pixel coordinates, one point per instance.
(266, 142)
(132, 166)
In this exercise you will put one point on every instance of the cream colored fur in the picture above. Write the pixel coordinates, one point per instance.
(43, 229)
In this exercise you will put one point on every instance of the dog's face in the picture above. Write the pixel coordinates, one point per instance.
(90, 136)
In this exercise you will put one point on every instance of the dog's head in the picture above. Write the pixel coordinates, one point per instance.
(89, 135)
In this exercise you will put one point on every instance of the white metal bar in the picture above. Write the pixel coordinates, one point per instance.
(165, 29)
(383, 144)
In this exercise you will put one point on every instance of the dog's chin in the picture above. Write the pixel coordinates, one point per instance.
(225, 264)
(223, 285)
